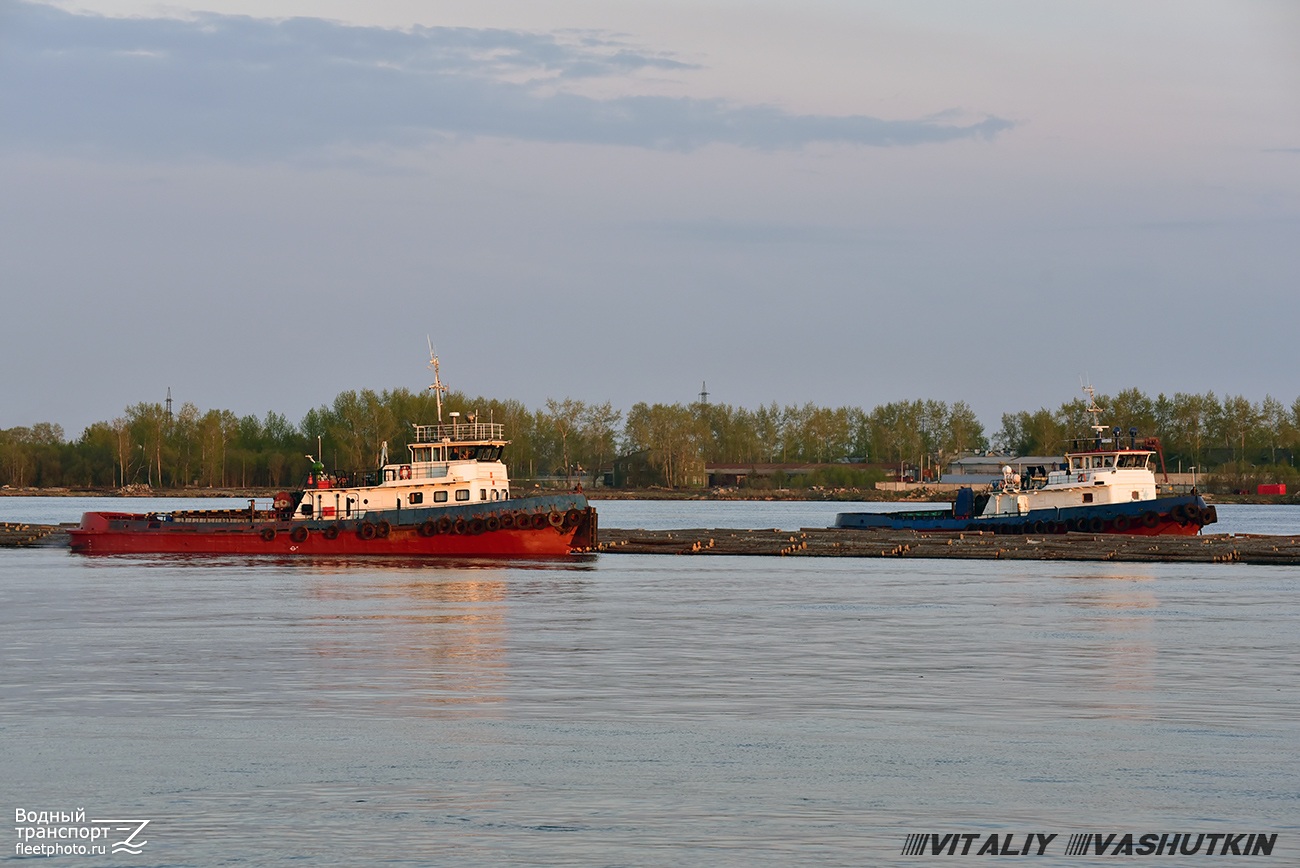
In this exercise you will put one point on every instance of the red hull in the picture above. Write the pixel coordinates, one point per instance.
(1165, 528)
(571, 532)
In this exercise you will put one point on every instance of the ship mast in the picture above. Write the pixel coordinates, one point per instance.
(437, 388)
(1096, 413)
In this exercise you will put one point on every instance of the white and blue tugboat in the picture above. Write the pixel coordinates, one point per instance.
(1105, 487)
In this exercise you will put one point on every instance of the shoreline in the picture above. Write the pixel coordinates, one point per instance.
(838, 495)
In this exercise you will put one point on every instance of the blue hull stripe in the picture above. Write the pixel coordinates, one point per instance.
(943, 519)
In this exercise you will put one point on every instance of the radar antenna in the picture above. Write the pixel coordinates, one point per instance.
(437, 387)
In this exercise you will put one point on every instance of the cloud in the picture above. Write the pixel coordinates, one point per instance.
(748, 232)
(249, 89)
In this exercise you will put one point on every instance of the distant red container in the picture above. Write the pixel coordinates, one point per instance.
(1275, 488)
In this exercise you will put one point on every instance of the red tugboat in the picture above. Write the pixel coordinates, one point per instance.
(451, 498)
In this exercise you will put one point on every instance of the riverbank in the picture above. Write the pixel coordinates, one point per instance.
(799, 494)
(847, 495)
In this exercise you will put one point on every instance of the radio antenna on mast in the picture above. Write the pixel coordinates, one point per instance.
(437, 388)
(1093, 409)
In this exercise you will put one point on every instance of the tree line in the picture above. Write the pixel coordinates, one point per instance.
(576, 440)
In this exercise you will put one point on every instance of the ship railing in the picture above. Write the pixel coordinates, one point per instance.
(459, 432)
(1028, 483)
(224, 516)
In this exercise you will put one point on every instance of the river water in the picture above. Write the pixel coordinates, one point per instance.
(644, 709)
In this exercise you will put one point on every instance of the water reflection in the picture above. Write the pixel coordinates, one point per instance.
(1120, 608)
(426, 638)
(227, 634)
(334, 565)
(399, 642)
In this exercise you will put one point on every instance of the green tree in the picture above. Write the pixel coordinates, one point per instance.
(186, 449)
(564, 419)
(1036, 433)
(599, 435)
(1132, 409)
(148, 426)
(1194, 418)
(671, 437)
(963, 432)
(1238, 424)
(1274, 424)
(95, 450)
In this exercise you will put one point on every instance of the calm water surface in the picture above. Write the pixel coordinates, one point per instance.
(644, 710)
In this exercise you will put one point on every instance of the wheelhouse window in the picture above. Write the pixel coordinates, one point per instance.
(476, 453)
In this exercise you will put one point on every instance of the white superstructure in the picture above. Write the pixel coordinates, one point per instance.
(1107, 473)
(455, 463)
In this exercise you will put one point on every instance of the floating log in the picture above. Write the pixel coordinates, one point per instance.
(853, 543)
(14, 535)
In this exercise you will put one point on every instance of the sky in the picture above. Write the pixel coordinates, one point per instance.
(261, 204)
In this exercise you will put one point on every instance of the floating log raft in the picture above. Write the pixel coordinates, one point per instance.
(13, 535)
(845, 543)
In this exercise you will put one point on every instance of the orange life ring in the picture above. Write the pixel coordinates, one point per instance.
(404, 472)
(1079, 478)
